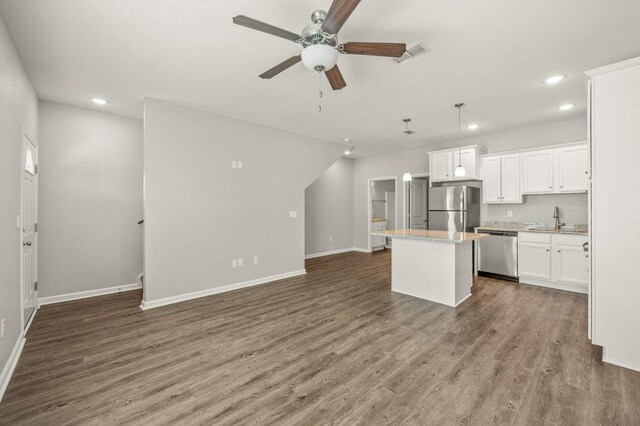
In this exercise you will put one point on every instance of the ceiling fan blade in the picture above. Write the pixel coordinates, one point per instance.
(335, 78)
(254, 24)
(281, 67)
(393, 50)
(338, 14)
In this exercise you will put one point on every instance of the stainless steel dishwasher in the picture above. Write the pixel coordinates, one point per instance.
(498, 255)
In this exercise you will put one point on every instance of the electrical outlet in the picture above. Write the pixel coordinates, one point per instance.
(330, 239)
(234, 164)
(234, 263)
(239, 164)
(509, 213)
(241, 262)
(255, 260)
(293, 214)
(2, 329)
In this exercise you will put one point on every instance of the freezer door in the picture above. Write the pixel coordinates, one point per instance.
(448, 198)
(452, 221)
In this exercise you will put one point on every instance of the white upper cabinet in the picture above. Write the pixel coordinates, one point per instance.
(556, 170)
(469, 159)
(573, 169)
(491, 177)
(442, 164)
(538, 172)
(510, 179)
(501, 179)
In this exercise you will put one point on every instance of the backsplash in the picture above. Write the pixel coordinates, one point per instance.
(539, 209)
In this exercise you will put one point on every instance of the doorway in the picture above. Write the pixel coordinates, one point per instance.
(382, 208)
(417, 196)
(29, 225)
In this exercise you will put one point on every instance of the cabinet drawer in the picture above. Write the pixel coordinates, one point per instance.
(534, 237)
(571, 240)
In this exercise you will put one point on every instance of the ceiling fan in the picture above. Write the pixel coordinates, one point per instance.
(320, 42)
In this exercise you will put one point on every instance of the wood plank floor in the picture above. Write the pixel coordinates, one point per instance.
(332, 347)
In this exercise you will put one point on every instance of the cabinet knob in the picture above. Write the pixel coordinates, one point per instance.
(551, 187)
(548, 250)
(559, 251)
(561, 186)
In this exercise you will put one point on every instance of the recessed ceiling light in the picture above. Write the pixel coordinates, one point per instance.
(347, 152)
(554, 79)
(99, 101)
(566, 107)
(472, 126)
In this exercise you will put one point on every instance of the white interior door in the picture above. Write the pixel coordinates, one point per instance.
(29, 218)
(418, 204)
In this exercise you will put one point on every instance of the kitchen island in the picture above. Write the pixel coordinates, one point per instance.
(432, 265)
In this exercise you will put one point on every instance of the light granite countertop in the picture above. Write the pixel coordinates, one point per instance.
(422, 234)
(544, 228)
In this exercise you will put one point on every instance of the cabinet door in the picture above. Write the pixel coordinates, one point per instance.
(573, 169)
(490, 170)
(572, 265)
(468, 162)
(510, 179)
(440, 166)
(538, 171)
(534, 260)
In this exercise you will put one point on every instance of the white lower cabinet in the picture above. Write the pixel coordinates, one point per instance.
(553, 260)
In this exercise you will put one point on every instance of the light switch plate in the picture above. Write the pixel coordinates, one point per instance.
(234, 164)
(509, 213)
(234, 263)
(293, 214)
(241, 262)
(255, 260)
(239, 164)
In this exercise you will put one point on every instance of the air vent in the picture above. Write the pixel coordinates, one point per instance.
(412, 51)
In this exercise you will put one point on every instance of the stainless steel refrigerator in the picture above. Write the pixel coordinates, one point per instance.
(454, 208)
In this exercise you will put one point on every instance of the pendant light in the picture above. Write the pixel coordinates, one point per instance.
(460, 171)
(406, 177)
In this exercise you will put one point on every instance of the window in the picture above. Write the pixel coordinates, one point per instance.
(29, 167)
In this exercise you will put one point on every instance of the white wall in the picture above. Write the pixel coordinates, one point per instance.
(328, 209)
(200, 213)
(394, 164)
(90, 200)
(18, 108)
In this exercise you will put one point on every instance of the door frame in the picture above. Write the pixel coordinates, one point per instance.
(370, 208)
(26, 137)
(405, 190)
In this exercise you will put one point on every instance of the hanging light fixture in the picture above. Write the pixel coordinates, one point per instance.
(460, 171)
(406, 177)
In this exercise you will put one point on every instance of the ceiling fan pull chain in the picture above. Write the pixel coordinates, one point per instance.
(320, 91)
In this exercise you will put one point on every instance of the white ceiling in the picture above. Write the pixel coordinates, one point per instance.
(491, 54)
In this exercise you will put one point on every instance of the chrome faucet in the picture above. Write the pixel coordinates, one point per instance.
(556, 216)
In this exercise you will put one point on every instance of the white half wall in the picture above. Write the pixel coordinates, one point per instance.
(394, 163)
(328, 210)
(90, 200)
(18, 110)
(200, 213)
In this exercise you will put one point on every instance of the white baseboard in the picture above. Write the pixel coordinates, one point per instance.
(150, 304)
(575, 288)
(328, 253)
(89, 293)
(7, 371)
(361, 250)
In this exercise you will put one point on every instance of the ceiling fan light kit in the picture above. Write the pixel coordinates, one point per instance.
(319, 57)
(320, 42)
